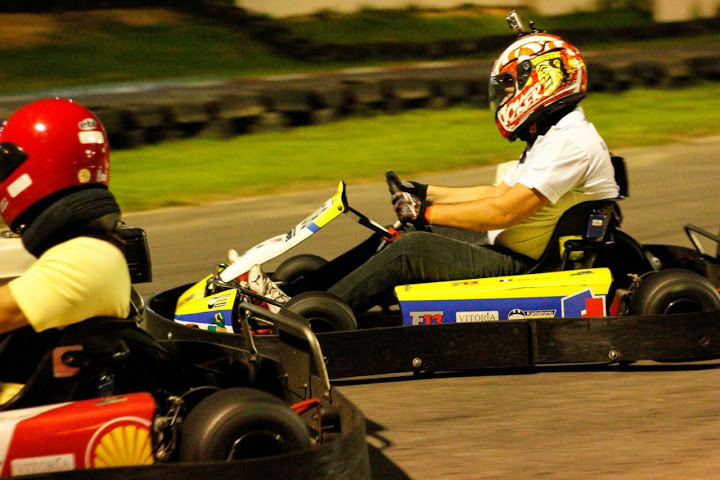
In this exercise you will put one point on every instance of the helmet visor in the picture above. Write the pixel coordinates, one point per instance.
(11, 157)
(502, 88)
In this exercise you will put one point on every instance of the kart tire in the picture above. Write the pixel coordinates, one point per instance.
(674, 290)
(297, 266)
(324, 311)
(241, 423)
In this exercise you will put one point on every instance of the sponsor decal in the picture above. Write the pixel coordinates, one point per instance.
(464, 283)
(476, 317)
(19, 185)
(519, 314)
(584, 304)
(426, 318)
(3, 204)
(91, 137)
(120, 442)
(44, 464)
(84, 175)
(218, 323)
(88, 124)
(219, 301)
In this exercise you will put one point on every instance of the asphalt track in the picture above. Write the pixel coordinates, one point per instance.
(648, 421)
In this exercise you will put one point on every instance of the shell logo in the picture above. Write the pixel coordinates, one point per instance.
(122, 442)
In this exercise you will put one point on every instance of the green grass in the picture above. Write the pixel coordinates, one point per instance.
(195, 171)
(651, 117)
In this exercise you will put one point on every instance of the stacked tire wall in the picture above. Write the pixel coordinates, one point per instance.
(151, 113)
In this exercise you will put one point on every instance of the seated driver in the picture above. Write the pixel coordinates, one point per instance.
(535, 87)
(54, 171)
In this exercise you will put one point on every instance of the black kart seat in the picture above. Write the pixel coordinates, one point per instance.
(588, 235)
(583, 233)
(621, 177)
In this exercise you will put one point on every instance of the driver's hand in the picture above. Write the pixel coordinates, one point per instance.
(410, 208)
(415, 188)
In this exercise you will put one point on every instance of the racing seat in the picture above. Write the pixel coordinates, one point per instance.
(585, 234)
(82, 360)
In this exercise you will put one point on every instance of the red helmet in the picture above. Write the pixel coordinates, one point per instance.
(48, 146)
(536, 75)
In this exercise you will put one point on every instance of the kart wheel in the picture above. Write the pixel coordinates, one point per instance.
(674, 291)
(324, 311)
(239, 423)
(297, 266)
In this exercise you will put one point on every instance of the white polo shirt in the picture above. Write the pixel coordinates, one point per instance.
(570, 164)
(79, 279)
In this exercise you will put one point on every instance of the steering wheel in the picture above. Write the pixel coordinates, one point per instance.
(394, 185)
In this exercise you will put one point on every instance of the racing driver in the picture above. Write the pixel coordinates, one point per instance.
(54, 171)
(535, 87)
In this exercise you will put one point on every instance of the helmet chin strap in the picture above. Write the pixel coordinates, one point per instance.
(89, 211)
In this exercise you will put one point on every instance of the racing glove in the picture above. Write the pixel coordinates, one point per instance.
(410, 208)
(415, 188)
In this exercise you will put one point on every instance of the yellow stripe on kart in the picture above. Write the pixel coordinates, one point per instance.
(516, 286)
(338, 207)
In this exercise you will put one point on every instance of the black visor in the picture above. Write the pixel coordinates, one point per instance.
(502, 88)
(11, 157)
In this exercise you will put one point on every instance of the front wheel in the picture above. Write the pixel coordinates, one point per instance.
(674, 291)
(240, 423)
(324, 311)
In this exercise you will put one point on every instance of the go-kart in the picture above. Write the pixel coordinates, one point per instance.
(105, 394)
(595, 295)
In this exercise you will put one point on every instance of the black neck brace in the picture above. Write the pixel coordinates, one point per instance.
(90, 211)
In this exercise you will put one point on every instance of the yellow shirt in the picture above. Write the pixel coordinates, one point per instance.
(82, 278)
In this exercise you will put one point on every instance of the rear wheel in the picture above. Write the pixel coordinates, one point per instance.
(240, 423)
(674, 291)
(296, 267)
(324, 311)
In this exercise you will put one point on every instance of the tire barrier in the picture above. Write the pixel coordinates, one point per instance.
(238, 108)
(280, 38)
(228, 109)
(152, 113)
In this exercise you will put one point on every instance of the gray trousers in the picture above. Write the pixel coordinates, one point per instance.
(418, 257)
